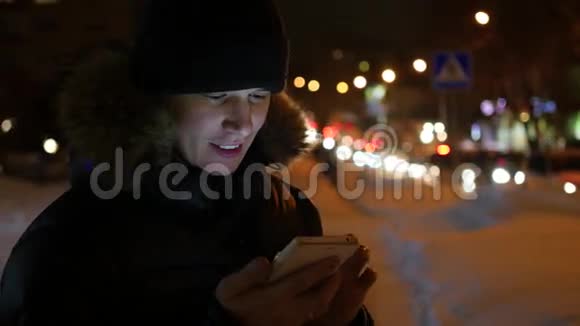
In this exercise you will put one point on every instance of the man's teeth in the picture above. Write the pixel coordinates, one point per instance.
(229, 147)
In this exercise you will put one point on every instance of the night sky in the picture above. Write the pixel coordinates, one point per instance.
(415, 23)
(529, 48)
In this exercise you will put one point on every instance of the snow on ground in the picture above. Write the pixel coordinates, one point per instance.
(507, 258)
(510, 257)
(20, 202)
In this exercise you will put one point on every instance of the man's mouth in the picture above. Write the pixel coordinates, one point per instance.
(227, 150)
(229, 147)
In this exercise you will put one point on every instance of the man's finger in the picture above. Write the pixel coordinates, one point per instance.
(368, 278)
(316, 301)
(354, 265)
(305, 278)
(364, 283)
(255, 273)
(358, 291)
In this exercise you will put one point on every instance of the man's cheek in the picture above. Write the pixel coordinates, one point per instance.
(260, 121)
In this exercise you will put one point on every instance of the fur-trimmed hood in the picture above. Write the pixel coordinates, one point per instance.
(102, 110)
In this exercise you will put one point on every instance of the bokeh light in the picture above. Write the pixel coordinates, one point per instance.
(364, 66)
(520, 177)
(482, 18)
(426, 137)
(487, 108)
(524, 117)
(328, 143)
(299, 82)
(6, 125)
(360, 82)
(443, 150)
(420, 65)
(342, 88)
(313, 86)
(569, 188)
(389, 75)
(50, 146)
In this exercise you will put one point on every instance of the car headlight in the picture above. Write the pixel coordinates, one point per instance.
(328, 143)
(520, 178)
(359, 159)
(500, 176)
(343, 153)
(417, 171)
(468, 176)
(569, 188)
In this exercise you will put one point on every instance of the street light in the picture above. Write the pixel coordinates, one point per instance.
(50, 146)
(313, 86)
(389, 75)
(360, 82)
(342, 87)
(482, 18)
(420, 65)
(299, 82)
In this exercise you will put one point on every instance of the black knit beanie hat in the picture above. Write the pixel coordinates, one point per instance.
(197, 46)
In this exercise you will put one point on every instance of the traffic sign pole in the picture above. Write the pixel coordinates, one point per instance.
(443, 107)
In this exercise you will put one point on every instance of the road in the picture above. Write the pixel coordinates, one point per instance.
(508, 258)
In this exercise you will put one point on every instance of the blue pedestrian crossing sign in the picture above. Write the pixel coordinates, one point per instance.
(452, 70)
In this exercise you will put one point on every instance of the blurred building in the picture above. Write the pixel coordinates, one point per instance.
(529, 49)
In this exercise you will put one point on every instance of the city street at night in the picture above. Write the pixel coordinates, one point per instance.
(171, 162)
(507, 258)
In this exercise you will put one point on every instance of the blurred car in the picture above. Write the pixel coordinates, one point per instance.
(565, 165)
(491, 167)
(570, 181)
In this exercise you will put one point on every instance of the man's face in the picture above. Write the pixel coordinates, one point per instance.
(218, 128)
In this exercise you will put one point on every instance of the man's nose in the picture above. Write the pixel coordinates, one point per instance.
(239, 116)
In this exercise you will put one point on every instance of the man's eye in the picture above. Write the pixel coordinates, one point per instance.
(215, 97)
(258, 96)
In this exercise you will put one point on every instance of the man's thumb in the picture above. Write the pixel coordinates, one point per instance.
(257, 271)
(253, 274)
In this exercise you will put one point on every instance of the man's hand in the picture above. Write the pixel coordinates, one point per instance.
(353, 289)
(291, 301)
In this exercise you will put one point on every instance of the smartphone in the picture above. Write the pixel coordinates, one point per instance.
(303, 251)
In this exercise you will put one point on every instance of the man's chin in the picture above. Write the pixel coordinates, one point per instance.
(221, 168)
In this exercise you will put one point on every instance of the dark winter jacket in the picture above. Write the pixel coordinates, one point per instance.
(87, 260)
